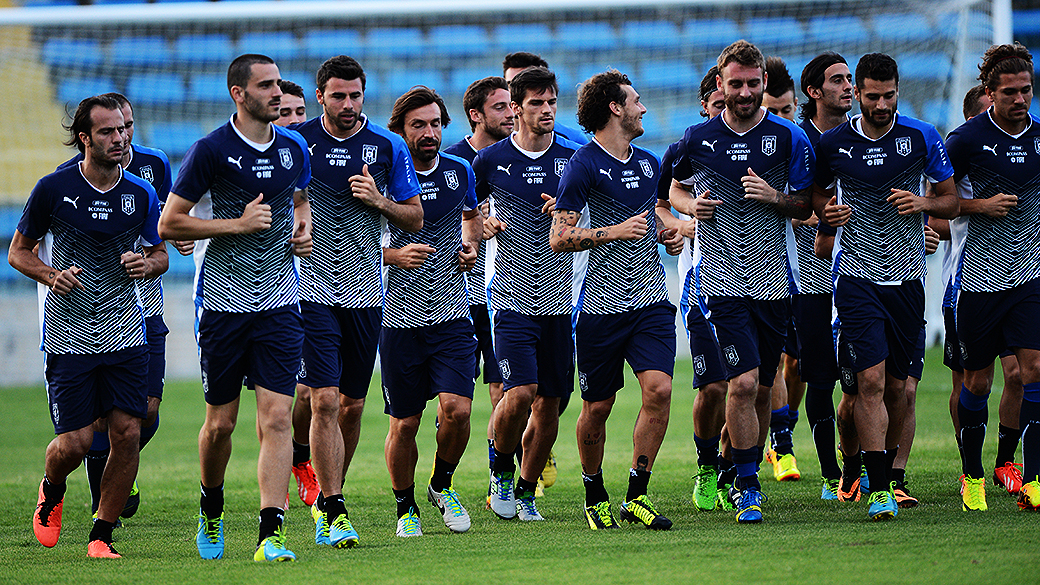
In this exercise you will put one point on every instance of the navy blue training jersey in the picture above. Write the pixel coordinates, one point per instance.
(745, 249)
(345, 263)
(814, 274)
(77, 225)
(475, 277)
(436, 291)
(617, 276)
(877, 243)
(222, 173)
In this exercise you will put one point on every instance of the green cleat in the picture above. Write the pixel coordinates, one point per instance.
(272, 549)
(600, 517)
(704, 488)
(722, 496)
(642, 510)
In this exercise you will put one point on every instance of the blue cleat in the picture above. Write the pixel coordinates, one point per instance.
(830, 489)
(341, 533)
(272, 549)
(882, 505)
(749, 506)
(210, 537)
(321, 527)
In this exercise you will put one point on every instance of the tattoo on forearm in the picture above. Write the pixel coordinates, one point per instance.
(794, 203)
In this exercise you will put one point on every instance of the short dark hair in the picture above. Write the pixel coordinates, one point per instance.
(241, 69)
(1001, 59)
(779, 80)
(595, 97)
(340, 67)
(814, 75)
(743, 53)
(291, 88)
(412, 99)
(876, 66)
(709, 84)
(534, 80)
(81, 120)
(972, 101)
(477, 94)
(522, 60)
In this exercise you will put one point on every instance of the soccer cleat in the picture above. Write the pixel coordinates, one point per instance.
(526, 510)
(47, 520)
(974, 497)
(881, 505)
(642, 510)
(447, 501)
(210, 536)
(133, 501)
(503, 502)
(901, 492)
(549, 473)
(341, 533)
(864, 483)
(272, 549)
(306, 482)
(539, 488)
(785, 468)
(722, 495)
(704, 488)
(1029, 496)
(962, 484)
(749, 506)
(852, 494)
(408, 525)
(600, 517)
(321, 525)
(97, 549)
(830, 489)
(1009, 477)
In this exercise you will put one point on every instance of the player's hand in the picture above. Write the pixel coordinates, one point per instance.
(550, 204)
(412, 256)
(185, 247)
(633, 228)
(836, 215)
(492, 227)
(906, 202)
(133, 264)
(66, 280)
(467, 257)
(999, 205)
(672, 240)
(931, 240)
(363, 187)
(813, 221)
(704, 208)
(256, 217)
(301, 239)
(757, 188)
(689, 229)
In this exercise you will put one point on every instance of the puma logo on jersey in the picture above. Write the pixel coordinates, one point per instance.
(310, 149)
(710, 145)
(237, 163)
(505, 169)
(72, 201)
(607, 173)
(992, 149)
(848, 152)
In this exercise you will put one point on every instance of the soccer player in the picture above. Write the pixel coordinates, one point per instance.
(606, 209)
(241, 192)
(875, 165)
(529, 289)
(515, 63)
(293, 108)
(92, 322)
(741, 246)
(426, 346)
(779, 97)
(996, 158)
(362, 175)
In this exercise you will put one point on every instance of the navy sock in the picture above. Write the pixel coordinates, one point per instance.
(819, 410)
(792, 415)
(1007, 442)
(1030, 421)
(95, 463)
(212, 501)
(638, 480)
(707, 450)
(270, 522)
(53, 492)
(973, 412)
(524, 487)
(595, 492)
(442, 472)
(101, 531)
(727, 472)
(334, 506)
(491, 454)
(747, 468)
(898, 475)
(300, 453)
(503, 462)
(877, 470)
(780, 431)
(149, 431)
(890, 460)
(406, 501)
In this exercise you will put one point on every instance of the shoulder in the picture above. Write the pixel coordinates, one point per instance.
(835, 132)
(915, 125)
(450, 161)
(140, 183)
(292, 135)
(639, 154)
(378, 133)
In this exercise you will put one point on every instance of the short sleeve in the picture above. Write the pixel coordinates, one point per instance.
(36, 217)
(572, 193)
(803, 160)
(196, 173)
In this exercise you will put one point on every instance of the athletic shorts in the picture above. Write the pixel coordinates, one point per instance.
(992, 322)
(917, 360)
(750, 334)
(952, 344)
(791, 338)
(707, 361)
(645, 338)
(266, 346)
(156, 330)
(339, 347)
(485, 345)
(418, 363)
(879, 323)
(813, 318)
(83, 387)
(535, 350)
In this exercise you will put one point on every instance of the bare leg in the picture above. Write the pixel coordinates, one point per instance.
(652, 421)
(350, 411)
(401, 451)
(592, 431)
(326, 440)
(124, 434)
(274, 411)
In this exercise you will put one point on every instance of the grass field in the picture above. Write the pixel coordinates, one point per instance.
(803, 539)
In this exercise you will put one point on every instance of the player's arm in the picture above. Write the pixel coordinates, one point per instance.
(699, 207)
(825, 205)
(472, 235)
(670, 234)
(796, 204)
(942, 226)
(565, 236)
(176, 223)
(406, 215)
(301, 238)
(943, 201)
(996, 206)
(408, 257)
(22, 257)
(154, 262)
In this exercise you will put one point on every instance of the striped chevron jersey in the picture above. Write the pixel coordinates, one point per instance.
(152, 165)
(475, 277)
(222, 173)
(877, 243)
(617, 276)
(998, 253)
(436, 291)
(814, 274)
(524, 274)
(746, 248)
(77, 225)
(344, 266)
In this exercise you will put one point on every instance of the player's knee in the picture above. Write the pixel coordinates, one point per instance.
(745, 388)
(324, 403)
(218, 428)
(658, 394)
(597, 411)
(350, 410)
(456, 412)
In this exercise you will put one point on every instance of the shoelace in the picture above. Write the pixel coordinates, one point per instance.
(505, 488)
(210, 527)
(411, 524)
(451, 502)
(528, 505)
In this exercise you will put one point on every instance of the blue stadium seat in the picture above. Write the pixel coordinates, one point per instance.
(174, 138)
(101, 2)
(71, 52)
(209, 87)
(586, 36)
(979, 26)
(678, 120)
(935, 112)
(304, 79)
(72, 90)
(322, 44)
(401, 80)
(925, 66)
(156, 88)
(280, 46)
(795, 65)
(460, 79)
(208, 48)
(711, 34)
(459, 40)
(531, 37)
(652, 129)
(46, 3)
(586, 70)
(673, 74)
(651, 34)
(831, 30)
(907, 109)
(454, 132)
(902, 27)
(568, 117)
(150, 51)
(1026, 23)
(396, 42)
(774, 34)
(1034, 107)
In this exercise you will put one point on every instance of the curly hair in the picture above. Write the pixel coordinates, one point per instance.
(876, 66)
(595, 97)
(1001, 59)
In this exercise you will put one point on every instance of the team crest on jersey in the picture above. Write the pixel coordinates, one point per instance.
(698, 365)
(768, 145)
(54, 412)
(1036, 145)
(503, 367)
(369, 153)
(732, 358)
(647, 169)
(285, 156)
(147, 174)
(562, 162)
(452, 179)
(903, 145)
(128, 203)
(583, 381)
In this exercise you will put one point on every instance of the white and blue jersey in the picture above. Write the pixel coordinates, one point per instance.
(436, 291)
(745, 249)
(1002, 253)
(222, 173)
(523, 273)
(814, 273)
(878, 244)
(344, 266)
(475, 277)
(618, 276)
(78, 225)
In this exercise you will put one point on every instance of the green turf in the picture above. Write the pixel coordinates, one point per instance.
(803, 539)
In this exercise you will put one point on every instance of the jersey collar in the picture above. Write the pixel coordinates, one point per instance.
(989, 114)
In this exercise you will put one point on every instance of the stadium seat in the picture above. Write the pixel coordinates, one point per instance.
(209, 48)
(459, 79)
(68, 52)
(174, 138)
(924, 66)
(651, 34)
(567, 81)
(585, 36)
(458, 40)
(651, 126)
(401, 80)
(907, 108)
(1034, 107)
(321, 44)
(280, 46)
(102, 2)
(209, 87)
(775, 34)
(46, 3)
(831, 30)
(673, 74)
(1026, 23)
(156, 88)
(935, 112)
(151, 51)
(586, 70)
(532, 37)
(795, 65)
(979, 27)
(72, 90)
(396, 42)
(304, 79)
(902, 27)
(710, 35)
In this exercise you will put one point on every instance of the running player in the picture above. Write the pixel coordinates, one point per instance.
(515, 63)
(293, 108)
(246, 181)
(779, 97)
(426, 346)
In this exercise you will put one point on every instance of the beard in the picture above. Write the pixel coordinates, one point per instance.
(733, 104)
(632, 125)
(419, 153)
(879, 118)
(498, 132)
(260, 111)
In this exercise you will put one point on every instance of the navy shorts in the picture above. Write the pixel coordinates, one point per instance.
(644, 337)
(813, 317)
(266, 346)
(707, 361)
(879, 323)
(418, 363)
(485, 346)
(339, 347)
(992, 322)
(81, 388)
(535, 350)
(917, 360)
(951, 343)
(156, 330)
(750, 334)
(791, 338)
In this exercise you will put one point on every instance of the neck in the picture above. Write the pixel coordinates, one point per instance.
(253, 129)
(873, 132)
(341, 134)
(1011, 127)
(102, 177)
(740, 125)
(481, 139)
(421, 165)
(530, 141)
(825, 120)
(614, 141)
(126, 157)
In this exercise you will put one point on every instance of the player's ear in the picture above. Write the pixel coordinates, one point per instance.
(237, 93)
